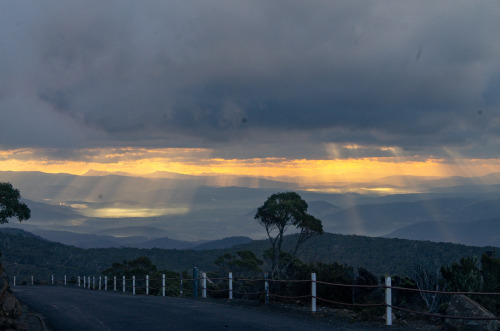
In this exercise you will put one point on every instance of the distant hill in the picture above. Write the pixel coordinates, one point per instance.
(380, 219)
(475, 233)
(19, 233)
(223, 243)
(320, 208)
(83, 240)
(43, 211)
(167, 243)
(92, 172)
(167, 174)
(127, 231)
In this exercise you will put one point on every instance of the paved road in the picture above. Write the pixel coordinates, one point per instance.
(66, 308)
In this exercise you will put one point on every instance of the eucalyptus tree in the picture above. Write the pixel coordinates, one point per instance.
(278, 213)
(10, 204)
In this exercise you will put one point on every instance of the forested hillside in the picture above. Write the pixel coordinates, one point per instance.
(26, 254)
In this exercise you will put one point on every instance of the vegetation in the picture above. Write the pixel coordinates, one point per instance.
(464, 276)
(25, 254)
(328, 272)
(10, 204)
(337, 259)
(142, 267)
(428, 277)
(139, 267)
(276, 215)
(470, 275)
(490, 269)
(243, 264)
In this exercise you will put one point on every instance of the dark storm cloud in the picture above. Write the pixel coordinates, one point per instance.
(251, 77)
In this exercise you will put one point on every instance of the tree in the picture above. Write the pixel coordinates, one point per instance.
(276, 215)
(327, 272)
(427, 277)
(463, 276)
(10, 206)
(243, 264)
(140, 267)
(366, 294)
(490, 267)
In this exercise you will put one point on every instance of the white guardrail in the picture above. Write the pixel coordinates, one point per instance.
(122, 284)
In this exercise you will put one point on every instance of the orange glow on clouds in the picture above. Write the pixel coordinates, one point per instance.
(198, 161)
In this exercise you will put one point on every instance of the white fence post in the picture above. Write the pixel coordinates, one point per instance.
(147, 284)
(313, 292)
(52, 279)
(100, 283)
(266, 287)
(78, 281)
(195, 282)
(133, 285)
(65, 280)
(88, 282)
(14, 280)
(163, 284)
(105, 283)
(84, 282)
(388, 301)
(114, 283)
(204, 285)
(180, 289)
(230, 286)
(123, 284)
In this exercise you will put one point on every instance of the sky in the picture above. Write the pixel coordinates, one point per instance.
(335, 90)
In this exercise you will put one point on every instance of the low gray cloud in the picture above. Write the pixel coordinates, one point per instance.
(256, 78)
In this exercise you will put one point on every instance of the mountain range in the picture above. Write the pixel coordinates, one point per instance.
(84, 240)
(168, 210)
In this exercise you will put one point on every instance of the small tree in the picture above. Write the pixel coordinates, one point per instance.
(10, 206)
(490, 267)
(366, 295)
(463, 276)
(327, 272)
(243, 264)
(428, 277)
(276, 215)
(140, 267)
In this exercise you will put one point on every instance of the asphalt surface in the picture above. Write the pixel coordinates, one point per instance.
(68, 308)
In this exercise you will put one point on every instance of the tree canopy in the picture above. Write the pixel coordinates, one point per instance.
(241, 264)
(10, 204)
(140, 266)
(276, 215)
